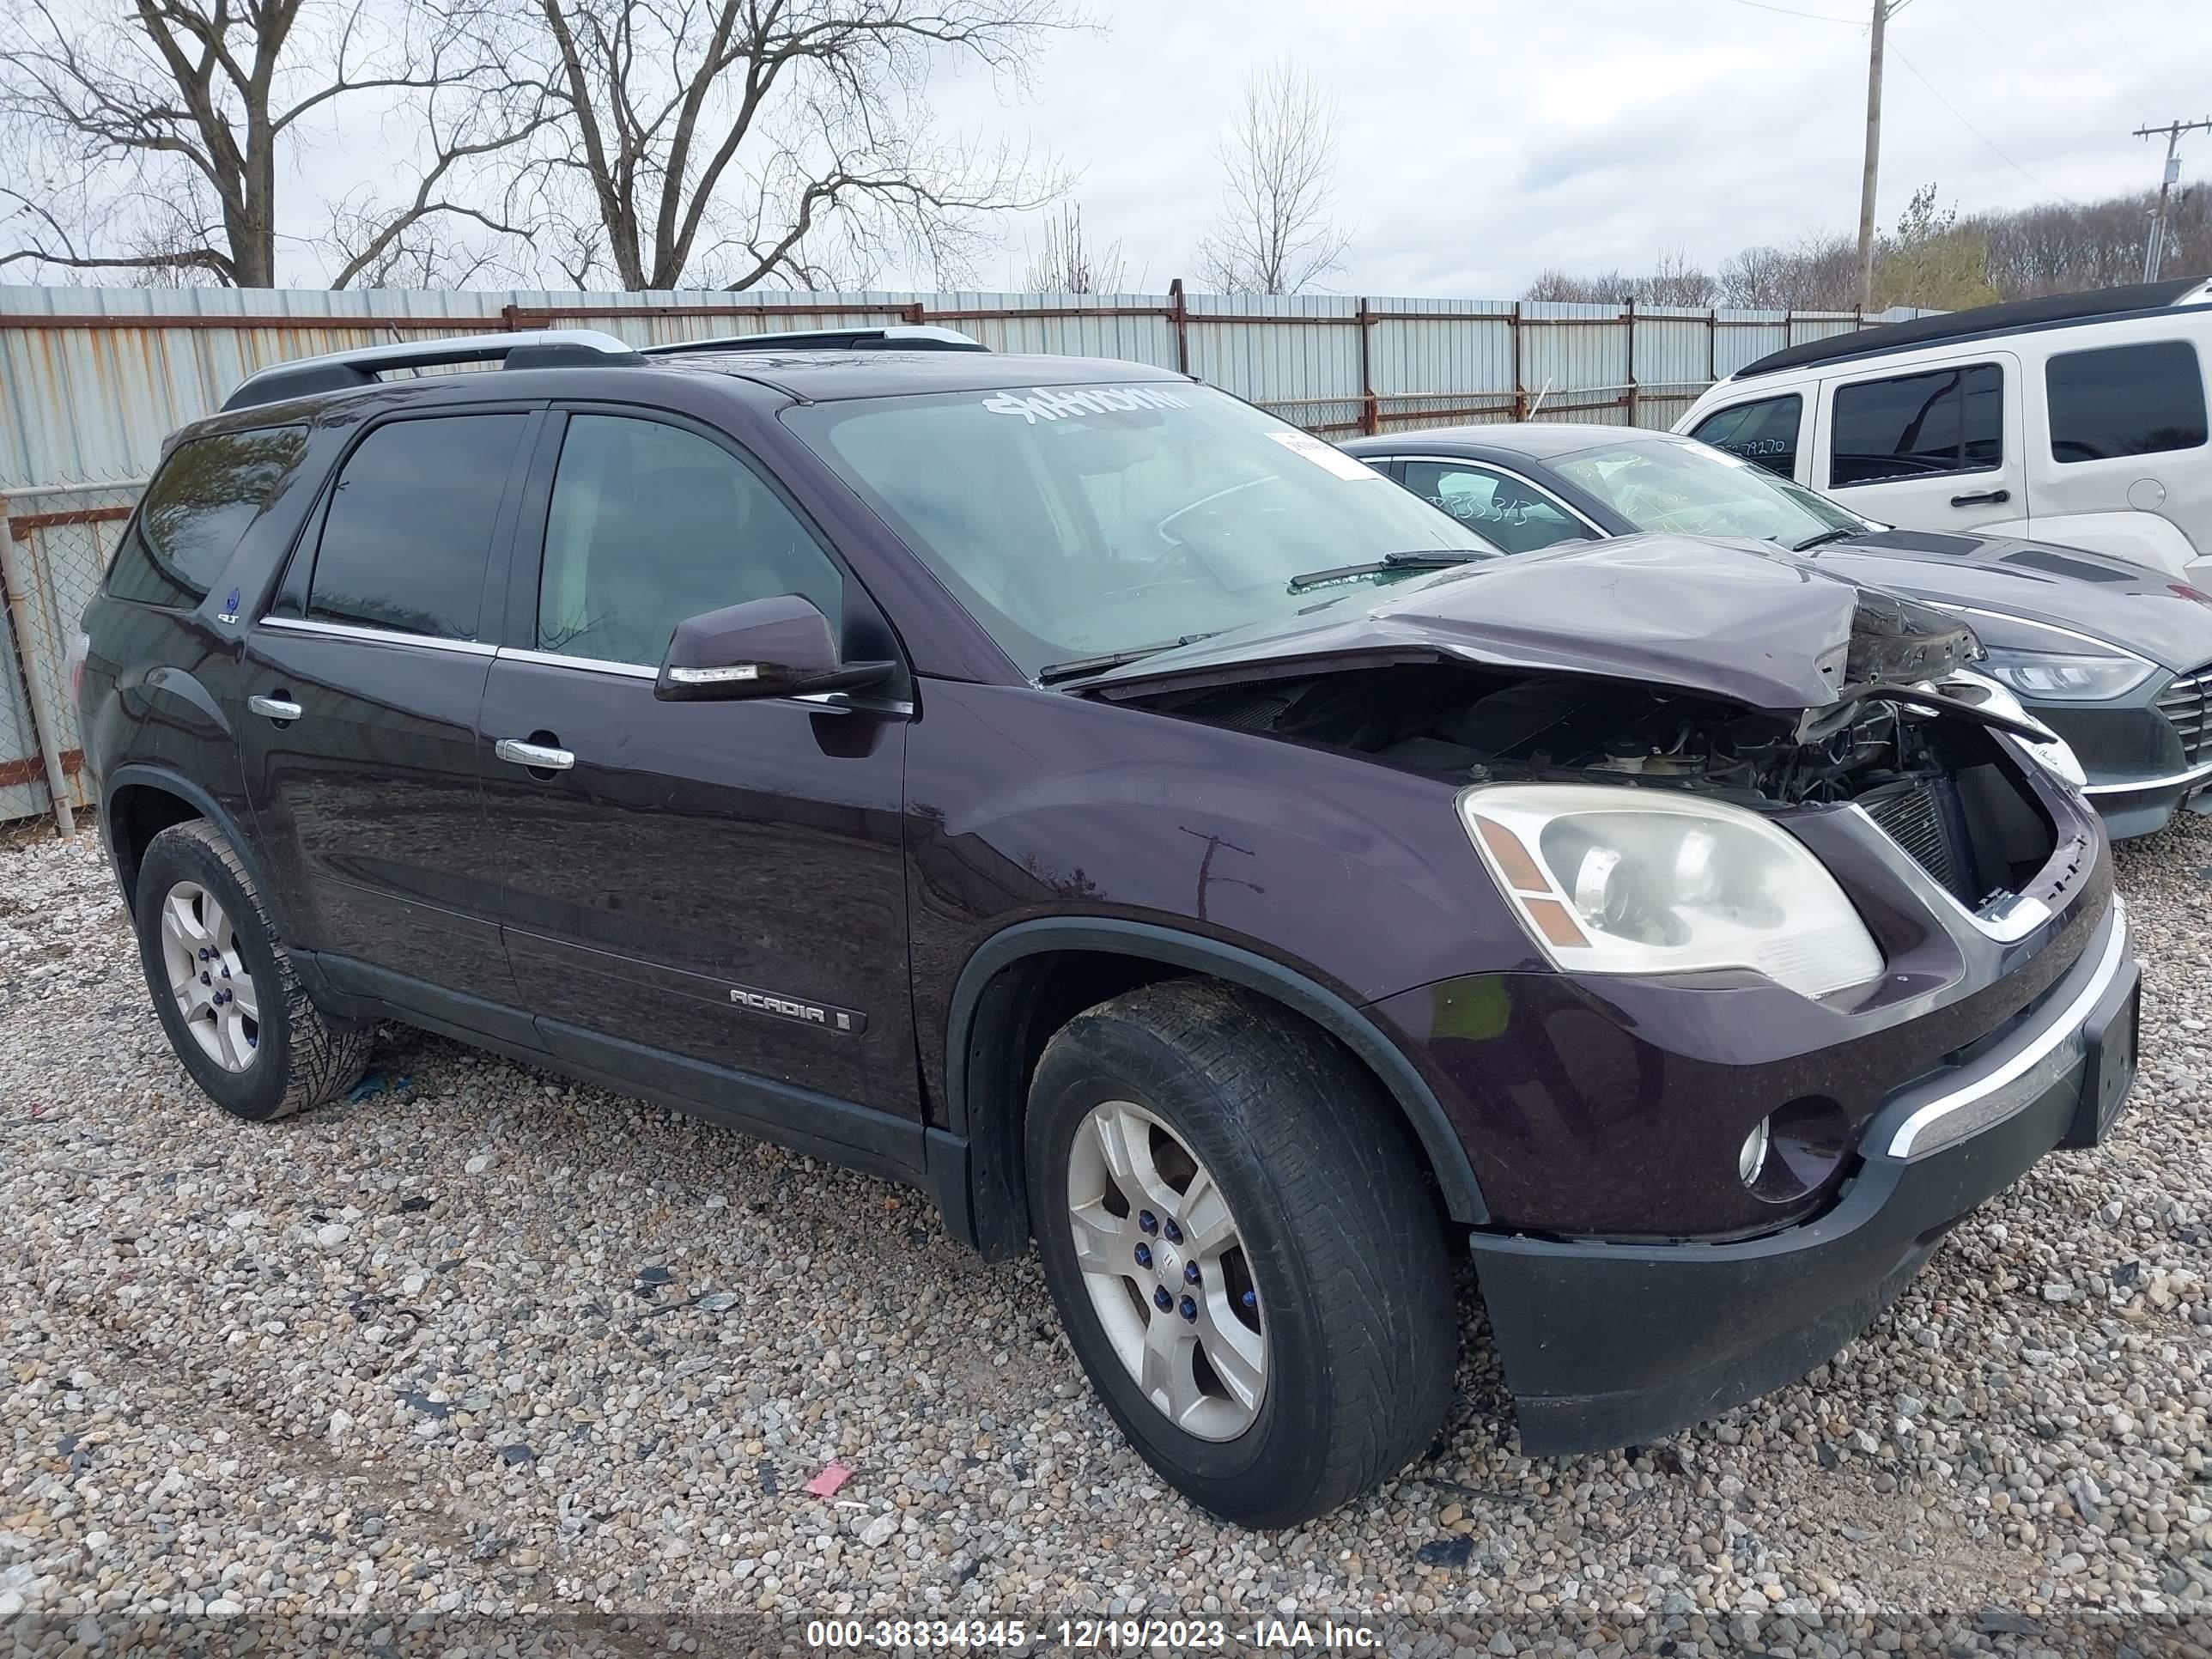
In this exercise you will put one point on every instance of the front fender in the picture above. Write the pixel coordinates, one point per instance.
(969, 1034)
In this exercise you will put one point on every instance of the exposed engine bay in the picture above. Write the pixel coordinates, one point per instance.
(1934, 779)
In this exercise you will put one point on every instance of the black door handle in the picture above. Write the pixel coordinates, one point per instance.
(1986, 498)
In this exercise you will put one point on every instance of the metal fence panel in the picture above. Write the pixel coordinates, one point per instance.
(59, 543)
(91, 380)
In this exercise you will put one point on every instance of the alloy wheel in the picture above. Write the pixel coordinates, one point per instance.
(207, 975)
(1165, 1267)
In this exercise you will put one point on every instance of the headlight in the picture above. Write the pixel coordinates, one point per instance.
(2065, 676)
(1617, 880)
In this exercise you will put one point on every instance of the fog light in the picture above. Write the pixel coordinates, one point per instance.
(1751, 1161)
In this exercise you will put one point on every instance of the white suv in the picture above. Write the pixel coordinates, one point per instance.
(2079, 419)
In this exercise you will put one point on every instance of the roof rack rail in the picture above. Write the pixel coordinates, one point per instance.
(2005, 317)
(890, 337)
(340, 371)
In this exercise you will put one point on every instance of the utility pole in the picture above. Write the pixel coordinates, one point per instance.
(2155, 249)
(1882, 9)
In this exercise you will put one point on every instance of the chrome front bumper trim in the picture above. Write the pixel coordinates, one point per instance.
(2195, 775)
(2032, 1065)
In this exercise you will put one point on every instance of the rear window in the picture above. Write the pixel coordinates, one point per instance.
(195, 511)
(2124, 400)
(1919, 426)
(408, 531)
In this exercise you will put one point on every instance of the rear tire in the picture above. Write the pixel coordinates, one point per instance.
(234, 1006)
(1259, 1157)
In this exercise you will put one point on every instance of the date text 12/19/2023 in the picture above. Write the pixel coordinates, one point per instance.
(1093, 1635)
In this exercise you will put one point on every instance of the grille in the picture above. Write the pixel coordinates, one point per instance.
(1923, 820)
(2188, 702)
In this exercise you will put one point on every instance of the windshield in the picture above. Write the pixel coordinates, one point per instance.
(1077, 522)
(1693, 491)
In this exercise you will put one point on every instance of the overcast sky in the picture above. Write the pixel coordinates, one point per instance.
(1485, 140)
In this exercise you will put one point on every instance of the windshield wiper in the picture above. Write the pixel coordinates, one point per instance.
(1053, 673)
(1820, 540)
(1440, 559)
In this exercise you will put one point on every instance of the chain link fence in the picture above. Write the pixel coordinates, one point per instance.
(55, 542)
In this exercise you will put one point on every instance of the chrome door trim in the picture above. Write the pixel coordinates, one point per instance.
(375, 635)
(839, 702)
(590, 665)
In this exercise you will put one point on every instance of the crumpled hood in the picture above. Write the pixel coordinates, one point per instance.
(1743, 620)
(2093, 593)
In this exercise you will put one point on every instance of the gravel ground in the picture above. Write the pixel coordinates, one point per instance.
(481, 1350)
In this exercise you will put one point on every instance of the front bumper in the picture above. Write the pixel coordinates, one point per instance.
(2139, 767)
(1608, 1344)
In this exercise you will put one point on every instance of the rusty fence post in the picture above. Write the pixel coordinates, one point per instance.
(1519, 391)
(27, 663)
(1633, 407)
(1370, 411)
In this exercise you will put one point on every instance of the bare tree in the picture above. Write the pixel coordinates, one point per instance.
(1070, 263)
(1673, 281)
(153, 138)
(1276, 232)
(731, 142)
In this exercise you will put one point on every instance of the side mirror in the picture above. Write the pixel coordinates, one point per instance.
(778, 648)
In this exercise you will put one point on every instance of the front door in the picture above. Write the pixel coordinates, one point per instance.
(1937, 447)
(707, 896)
(359, 693)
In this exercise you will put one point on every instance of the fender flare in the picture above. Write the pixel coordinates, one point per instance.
(1416, 1101)
(169, 782)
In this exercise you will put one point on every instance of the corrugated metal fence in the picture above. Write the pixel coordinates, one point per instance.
(91, 379)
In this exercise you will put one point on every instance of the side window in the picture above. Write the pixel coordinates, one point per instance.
(1918, 426)
(196, 509)
(409, 524)
(1516, 516)
(1765, 432)
(649, 525)
(2124, 400)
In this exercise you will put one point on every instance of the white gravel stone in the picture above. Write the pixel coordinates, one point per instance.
(478, 1401)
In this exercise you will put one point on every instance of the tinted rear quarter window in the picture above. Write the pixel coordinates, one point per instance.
(1765, 432)
(2124, 400)
(196, 509)
(1918, 426)
(408, 531)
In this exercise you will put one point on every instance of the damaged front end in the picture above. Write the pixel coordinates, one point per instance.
(1506, 688)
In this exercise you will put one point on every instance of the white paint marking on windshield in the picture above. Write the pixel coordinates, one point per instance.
(1056, 402)
(1325, 456)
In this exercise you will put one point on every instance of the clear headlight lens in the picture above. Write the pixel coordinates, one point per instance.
(1614, 880)
(2065, 676)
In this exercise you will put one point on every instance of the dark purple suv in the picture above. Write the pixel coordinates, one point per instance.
(1061, 787)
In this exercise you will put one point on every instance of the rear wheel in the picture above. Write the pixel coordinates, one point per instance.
(234, 1008)
(1244, 1250)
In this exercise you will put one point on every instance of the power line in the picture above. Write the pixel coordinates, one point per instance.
(1992, 143)
(1809, 16)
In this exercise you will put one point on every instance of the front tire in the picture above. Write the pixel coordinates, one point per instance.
(1244, 1250)
(229, 997)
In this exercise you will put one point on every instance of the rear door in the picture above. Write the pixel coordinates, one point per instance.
(1938, 446)
(360, 689)
(707, 896)
(2122, 433)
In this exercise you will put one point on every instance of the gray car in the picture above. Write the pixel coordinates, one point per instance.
(2115, 658)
